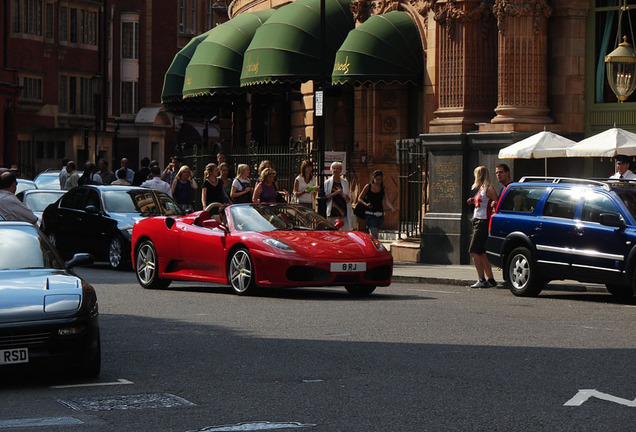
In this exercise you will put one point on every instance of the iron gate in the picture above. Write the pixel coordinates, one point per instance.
(285, 158)
(413, 184)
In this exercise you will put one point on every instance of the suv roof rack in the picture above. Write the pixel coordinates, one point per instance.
(594, 182)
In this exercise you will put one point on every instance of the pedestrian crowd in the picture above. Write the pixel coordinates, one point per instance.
(220, 185)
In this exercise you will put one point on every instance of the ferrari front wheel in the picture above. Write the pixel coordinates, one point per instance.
(146, 267)
(241, 272)
(360, 290)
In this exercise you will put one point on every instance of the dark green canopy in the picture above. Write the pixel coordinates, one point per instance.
(286, 49)
(217, 62)
(173, 80)
(385, 48)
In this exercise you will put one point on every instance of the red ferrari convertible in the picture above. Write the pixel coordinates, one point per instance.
(258, 245)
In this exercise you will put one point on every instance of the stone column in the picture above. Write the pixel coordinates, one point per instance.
(467, 65)
(522, 70)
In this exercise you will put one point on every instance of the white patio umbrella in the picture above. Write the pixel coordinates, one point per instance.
(541, 145)
(605, 144)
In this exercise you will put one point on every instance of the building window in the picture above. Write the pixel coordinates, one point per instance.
(49, 148)
(88, 27)
(49, 21)
(76, 95)
(130, 40)
(72, 95)
(182, 16)
(15, 12)
(31, 89)
(129, 97)
(63, 24)
(193, 17)
(60, 149)
(73, 25)
(606, 26)
(39, 150)
(63, 93)
(33, 17)
(26, 17)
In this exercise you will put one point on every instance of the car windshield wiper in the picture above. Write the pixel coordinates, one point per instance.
(301, 228)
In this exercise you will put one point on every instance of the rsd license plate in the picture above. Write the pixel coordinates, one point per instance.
(14, 356)
(344, 267)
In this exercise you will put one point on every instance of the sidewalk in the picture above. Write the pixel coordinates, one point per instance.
(465, 275)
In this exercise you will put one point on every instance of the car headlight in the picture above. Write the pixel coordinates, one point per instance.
(278, 245)
(379, 246)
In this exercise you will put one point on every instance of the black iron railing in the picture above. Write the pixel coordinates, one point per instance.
(412, 161)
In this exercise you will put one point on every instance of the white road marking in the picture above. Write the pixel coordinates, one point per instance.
(312, 381)
(39, 422)
(118, 382)
(255, 426)
(583, 395)
(433, 291)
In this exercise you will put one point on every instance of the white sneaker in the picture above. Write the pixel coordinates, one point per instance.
(482, 283)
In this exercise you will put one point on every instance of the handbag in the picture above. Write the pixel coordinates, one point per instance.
(360, 210)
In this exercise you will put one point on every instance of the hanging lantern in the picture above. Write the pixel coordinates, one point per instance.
(621, 63)
(621, 70)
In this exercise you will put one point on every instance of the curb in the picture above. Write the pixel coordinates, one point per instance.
(558, 286)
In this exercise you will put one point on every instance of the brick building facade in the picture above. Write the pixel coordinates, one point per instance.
(82, 79)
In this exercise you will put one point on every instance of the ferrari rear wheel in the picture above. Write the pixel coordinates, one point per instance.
(241, 272)
(146, 264)
(360, 290)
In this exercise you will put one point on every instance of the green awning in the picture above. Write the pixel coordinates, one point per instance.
(217, 62)
(173, 80)
(385, 48)
(286, 49)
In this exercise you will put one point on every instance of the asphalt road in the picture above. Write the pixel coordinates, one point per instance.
(411, 357)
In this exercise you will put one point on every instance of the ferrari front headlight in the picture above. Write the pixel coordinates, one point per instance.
(278, 245)
(379, 246)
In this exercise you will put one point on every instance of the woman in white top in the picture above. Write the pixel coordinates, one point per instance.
(241, 191)
(485, 193)
(338, 197)
(305, 185)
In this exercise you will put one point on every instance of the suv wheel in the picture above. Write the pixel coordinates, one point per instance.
(521, 270)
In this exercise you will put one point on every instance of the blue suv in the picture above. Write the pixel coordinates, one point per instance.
(562, 228)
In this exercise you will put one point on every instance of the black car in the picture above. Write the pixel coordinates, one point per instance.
(47, 313)
(99, 219)
(561, 228)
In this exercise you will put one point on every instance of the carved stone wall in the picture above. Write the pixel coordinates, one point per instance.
(467, 61)
(523, 53)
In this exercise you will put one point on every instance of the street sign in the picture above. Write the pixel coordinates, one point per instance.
(318, 102)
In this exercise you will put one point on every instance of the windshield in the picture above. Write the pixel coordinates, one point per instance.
(38, 201)
(271, 217)
(22, 247)
(48, 181)
(141, 202)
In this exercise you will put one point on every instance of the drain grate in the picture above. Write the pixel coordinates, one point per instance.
(130, 402)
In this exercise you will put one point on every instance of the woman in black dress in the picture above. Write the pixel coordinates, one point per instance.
(212, 187)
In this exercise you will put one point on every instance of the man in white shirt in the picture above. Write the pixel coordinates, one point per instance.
(155, 182)
(130, 174)
(11, 208)
(622, 169)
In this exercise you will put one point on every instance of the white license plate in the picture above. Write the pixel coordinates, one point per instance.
(13, 356)
(343, 267)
